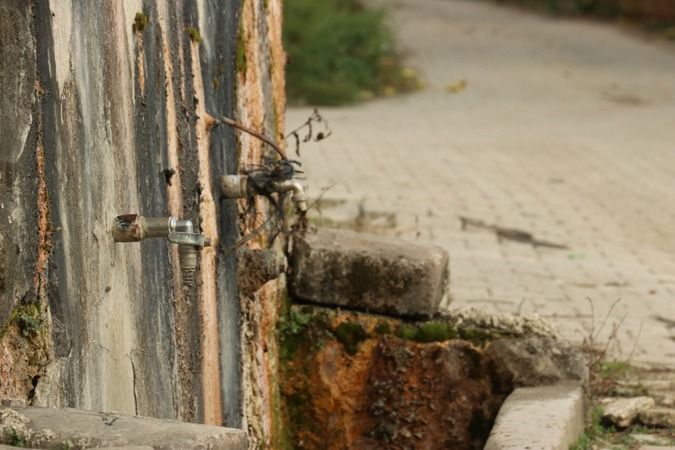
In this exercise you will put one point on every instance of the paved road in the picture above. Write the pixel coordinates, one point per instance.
(566, 130)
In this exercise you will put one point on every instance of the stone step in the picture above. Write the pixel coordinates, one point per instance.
(368, 273)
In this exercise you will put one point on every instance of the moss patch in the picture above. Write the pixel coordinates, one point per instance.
(27, 318)
(194, 34)
(383, 328)
(140, 22)
(350, 335)
(427, 332)
(434, 332)
(292, 327)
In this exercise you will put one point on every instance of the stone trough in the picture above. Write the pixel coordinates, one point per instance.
(368, 361)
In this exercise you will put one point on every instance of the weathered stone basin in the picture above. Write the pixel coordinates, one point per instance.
(354, 380)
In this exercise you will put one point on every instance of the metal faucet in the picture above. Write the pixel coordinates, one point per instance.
(135, 228)
(237, 186)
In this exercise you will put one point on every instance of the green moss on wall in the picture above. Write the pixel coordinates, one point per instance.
(140, 22)
(350, 335)
(194, 34)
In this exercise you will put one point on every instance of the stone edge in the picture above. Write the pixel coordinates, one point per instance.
(520, 424)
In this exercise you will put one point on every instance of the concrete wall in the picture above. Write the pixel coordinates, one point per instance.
(103, 114)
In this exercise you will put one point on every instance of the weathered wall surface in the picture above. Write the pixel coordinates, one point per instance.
(105, 110)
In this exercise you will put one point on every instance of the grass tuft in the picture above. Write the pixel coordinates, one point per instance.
(340, 51)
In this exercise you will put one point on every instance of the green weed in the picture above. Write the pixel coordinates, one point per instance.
(340, 51)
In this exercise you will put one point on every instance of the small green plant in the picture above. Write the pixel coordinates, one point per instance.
(140, 21)
(340, 51)
(613, 369)
(12, 437)
(292, 327)
(594, 431)
(194, 34)
(28, 318)
(350, 335)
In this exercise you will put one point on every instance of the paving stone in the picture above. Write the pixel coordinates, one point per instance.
(368, 273)
(650, 439)
(658, 417)
(622, 412)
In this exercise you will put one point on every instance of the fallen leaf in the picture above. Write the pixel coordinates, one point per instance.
(456, 88)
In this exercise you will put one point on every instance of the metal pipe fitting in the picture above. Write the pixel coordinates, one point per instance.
(135, 228)
(236, 186)
(299, 196)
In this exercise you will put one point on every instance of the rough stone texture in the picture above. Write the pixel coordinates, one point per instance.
(652, 439)
(543, 418)
(106, 113)
(533, 361)
(13, 402)
(17, 156)
(354, 380)
(622, 412)
(658, 418)
(368, 273)
(78, 429)
(258, 266)
(501, 323)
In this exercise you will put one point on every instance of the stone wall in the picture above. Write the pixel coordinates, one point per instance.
(105, 110)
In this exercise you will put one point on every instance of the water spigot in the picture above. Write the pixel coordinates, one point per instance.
(237, 186)
(135, 228)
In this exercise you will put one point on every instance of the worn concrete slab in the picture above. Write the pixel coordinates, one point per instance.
(369, 273)
(545, 418)
(51, 427)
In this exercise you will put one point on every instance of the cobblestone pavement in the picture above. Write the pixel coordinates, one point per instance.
(566, 130)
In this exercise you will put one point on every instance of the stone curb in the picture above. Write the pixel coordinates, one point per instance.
(543, 418)
(67, 427)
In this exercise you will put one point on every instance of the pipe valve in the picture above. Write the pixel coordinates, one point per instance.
(135, 228)
(237, 186)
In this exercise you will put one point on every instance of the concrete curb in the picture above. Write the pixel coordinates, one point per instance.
(73, 428)
(542, 418)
